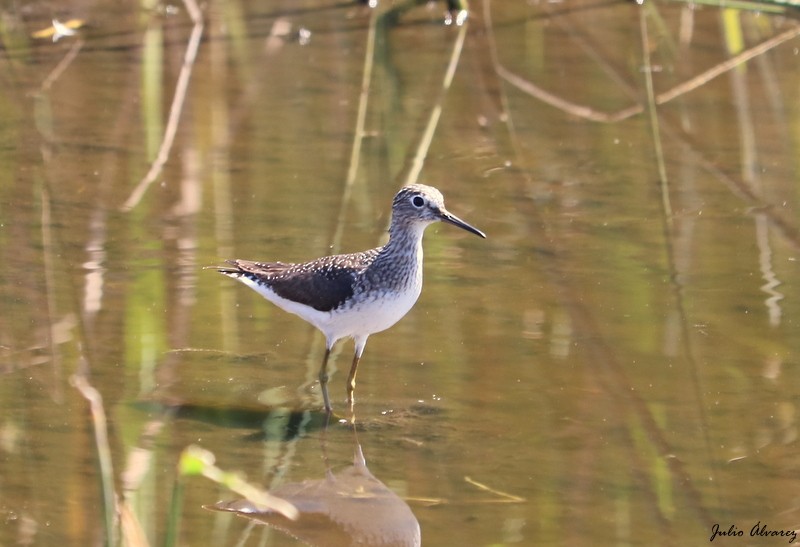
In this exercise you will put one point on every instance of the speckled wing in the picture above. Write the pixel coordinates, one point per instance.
(323, 284)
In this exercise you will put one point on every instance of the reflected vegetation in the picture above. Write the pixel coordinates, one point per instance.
(617, 364)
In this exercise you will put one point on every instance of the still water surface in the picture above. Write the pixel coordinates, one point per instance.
(617, 364)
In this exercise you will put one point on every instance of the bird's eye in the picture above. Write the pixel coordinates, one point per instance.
(417, 201)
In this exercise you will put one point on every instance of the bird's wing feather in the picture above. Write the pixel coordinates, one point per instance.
(323, 284)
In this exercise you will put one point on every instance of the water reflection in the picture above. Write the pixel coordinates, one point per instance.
(621, 354)
(349, 507)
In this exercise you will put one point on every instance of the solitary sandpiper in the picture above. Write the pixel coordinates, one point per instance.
(355, 294)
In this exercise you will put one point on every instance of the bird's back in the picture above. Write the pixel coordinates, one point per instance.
(323, 284)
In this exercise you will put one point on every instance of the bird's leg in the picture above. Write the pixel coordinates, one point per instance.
(360, 342)
(351, 381)
(323, 381)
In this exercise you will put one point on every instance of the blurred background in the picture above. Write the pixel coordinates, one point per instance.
(617, 363)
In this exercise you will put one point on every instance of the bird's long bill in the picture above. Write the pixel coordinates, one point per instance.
(455, 221)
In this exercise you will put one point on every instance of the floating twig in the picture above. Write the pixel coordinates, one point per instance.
(510, 498)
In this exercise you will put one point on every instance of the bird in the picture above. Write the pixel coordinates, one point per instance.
(358, 294)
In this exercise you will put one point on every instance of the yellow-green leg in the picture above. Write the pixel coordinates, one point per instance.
(323, 381)
(351, 378)
(351, 382)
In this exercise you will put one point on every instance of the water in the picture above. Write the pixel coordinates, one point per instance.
(615, 364)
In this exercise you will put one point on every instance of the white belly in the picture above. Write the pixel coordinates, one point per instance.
(371, 316)
(367, 317)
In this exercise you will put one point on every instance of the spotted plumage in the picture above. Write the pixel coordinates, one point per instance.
(324, 284)
(358, 294)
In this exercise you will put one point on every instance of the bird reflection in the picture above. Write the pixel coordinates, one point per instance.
(350, 507)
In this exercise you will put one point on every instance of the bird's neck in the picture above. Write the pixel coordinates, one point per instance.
(401, 257)
(405, 238)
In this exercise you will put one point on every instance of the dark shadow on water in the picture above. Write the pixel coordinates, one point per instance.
(283, 424)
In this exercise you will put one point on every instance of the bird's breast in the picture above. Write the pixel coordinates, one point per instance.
(374, 311)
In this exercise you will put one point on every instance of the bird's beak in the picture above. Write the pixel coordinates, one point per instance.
(455, 221)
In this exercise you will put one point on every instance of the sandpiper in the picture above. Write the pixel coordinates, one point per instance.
(358, 294)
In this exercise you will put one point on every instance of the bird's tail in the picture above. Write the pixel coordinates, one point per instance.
(233, 269)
